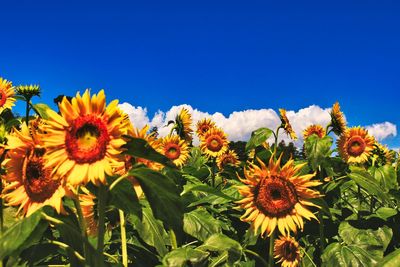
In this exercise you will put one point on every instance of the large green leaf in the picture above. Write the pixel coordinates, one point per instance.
(22, 235)
(317, 150)
(196, 159)
(123, 196)
(386, 176)
(151, 231)
(360, 247)
(258, 137)
(224, 245)
(185, 256)
(200, 224)
(391, 260)
(140, 148)
(163, 196)
(41, 109)
(366, 181)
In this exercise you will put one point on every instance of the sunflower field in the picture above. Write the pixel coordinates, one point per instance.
(82, 186)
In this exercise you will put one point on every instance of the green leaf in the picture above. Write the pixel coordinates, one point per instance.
(366, 181)
(337, 254)
(200, 224)
(223, 244)
(208, 189)
(386, 176)
(22, 235)
(185, 256)
(257, 138)
(151, 231)
(163, 196)
(215, 199)
(317, 150)
(123, 196)
(385, 213)
(391, 260)
(140, 148)
(41, 109)
(196, 160)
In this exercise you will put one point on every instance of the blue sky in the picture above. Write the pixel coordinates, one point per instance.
(220, 56)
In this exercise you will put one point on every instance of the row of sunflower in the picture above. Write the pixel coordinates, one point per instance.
(83, 186)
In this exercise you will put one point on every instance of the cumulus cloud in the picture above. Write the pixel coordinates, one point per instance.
(382, 130)
(239, 124)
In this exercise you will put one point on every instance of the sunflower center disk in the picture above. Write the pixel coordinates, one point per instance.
(289, 251)
(172, 151)
(3, 98)
(38, 182)
(355, 146)
(214, 144)
(275, 196)
(87, 140)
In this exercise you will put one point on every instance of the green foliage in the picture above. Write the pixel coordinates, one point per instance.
(258, 137)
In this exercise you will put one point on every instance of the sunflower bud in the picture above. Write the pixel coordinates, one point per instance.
(28, 91)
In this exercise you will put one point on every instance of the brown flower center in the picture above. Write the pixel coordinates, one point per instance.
(275, 196)
(3, 97)
(38, 183)
(87, 140)
(214, 143)
(355, 146)
(289, 251)
(172, 151)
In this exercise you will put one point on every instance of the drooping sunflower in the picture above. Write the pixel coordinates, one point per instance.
(87, 202)
(204, 125)
(175, 149)
(285, 124)
(214, 142)
(338, 123)
(314, 129)
(230, 157)
(30, 185)
(6, 94)
(382, 154)
(277, 196)
(183, 125)
(84, 142)
(287, 250)
(355, 145)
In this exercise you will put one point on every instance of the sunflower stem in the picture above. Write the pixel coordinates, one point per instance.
(82, 223)
(123, 239)
(271, 249)
(214, 164)
(102, 195)
(321, 231)
(264, 262)
(276, 134)
(27, 111)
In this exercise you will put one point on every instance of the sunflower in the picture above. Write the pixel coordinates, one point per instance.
(183, 124)
(355, 145)
(175, 149)
(204, 125)
(287, 250)
(382, 154)
(214, 142)
(6, 94)
(84, 143)
(87, 202)
(277, 196)
(30, 185)
(230, 157)
(314, 129)
(285, 124)
(338, 122)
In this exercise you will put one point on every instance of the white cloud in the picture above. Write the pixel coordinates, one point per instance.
(382, 130)
(239, 124)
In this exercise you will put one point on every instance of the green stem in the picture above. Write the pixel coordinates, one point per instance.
(271, 249)
(359, 202)
(123, 239)
(308, 256)
(82, 223)
(214, 164)
(276, 134)
(102, 196)
(172, 236)
(27, 112)
(321, 231)
(119, 179)
(66, 247)
(257, 256)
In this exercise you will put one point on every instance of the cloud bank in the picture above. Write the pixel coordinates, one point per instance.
(239, 124)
